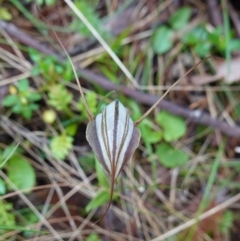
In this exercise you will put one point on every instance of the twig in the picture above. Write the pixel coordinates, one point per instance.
(24, 38)
(195, 116)
(214, 12)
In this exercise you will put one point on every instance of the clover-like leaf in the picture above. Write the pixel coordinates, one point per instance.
(26, 113)
(148, 134)
(34, 96)
(21, 173)
(174, 127)
(171, 157)
(10, 100)
(180, 18)
(60, 146)
(163, 40)
(23, 85)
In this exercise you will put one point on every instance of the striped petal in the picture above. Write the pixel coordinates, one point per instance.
(113, 137)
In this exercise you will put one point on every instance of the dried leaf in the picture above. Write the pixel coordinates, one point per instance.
(231, 76)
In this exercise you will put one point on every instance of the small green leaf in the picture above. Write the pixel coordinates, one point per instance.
(34, 96)
(59, 97)
(27, 113)
(71, 129)
(10, 100)
(67, 74)
(60, 146)
(93, 237)
(17, 108)
(35, 71)
(23, 85)
(21, 173)
(101, 175)
(180, 18)
(226, 222)
(33, 107)
(215, 35)
(174, 127)
(40, 2)
(148, 134)
(135, 110)
(163, 40)
(102, 197)
(155, 137)
(170, 157)
(7, 153)
(5, 14)
(50, 2)
(59, 69)
(234, 45)
(35, 56)
(196, 36)
(29, 218)
(203, 49)
(2, 187)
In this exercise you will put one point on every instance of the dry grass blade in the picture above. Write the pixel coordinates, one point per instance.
(5, 161)
(164, 95)
(203, 216)
(102, 42)
(115, 45)
(33, 208)
(15, 78)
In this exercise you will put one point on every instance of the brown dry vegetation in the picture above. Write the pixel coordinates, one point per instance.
(153, 202)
